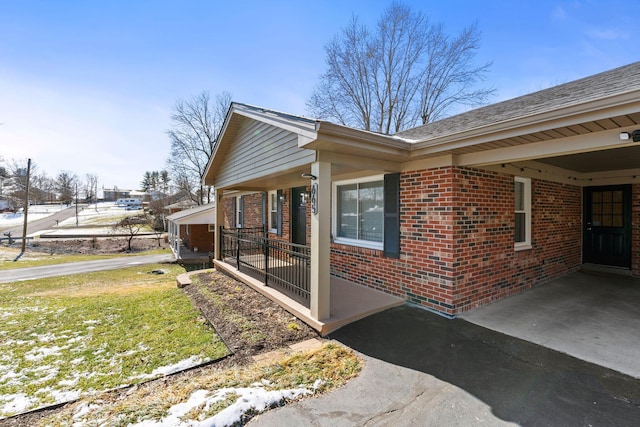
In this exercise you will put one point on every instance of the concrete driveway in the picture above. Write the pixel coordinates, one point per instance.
(594, 317)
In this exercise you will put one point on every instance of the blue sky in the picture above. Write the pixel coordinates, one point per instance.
(89, 86)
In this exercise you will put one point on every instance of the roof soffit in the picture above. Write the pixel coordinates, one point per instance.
(600, 109)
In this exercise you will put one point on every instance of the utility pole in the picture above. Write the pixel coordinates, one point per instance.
(26, 207)
(76, 204)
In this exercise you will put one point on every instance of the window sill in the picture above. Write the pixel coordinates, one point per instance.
(359, 243)
(522, 247)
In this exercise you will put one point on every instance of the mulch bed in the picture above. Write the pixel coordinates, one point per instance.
(259, 325)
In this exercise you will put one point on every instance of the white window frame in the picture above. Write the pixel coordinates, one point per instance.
(334, 209)
(272, 203)
(526, 244)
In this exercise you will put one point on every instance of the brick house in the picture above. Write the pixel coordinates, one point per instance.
(450, 215)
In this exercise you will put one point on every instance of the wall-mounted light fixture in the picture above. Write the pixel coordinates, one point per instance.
(633, 135)
(309, 176)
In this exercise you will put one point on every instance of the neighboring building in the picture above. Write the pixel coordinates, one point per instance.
(111, 195)
(180, 205)
(450, 215)
(192, 229)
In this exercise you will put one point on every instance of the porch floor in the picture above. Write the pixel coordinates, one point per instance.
(189, 256)
(349, 301)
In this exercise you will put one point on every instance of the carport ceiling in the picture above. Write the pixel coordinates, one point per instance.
(598, 161)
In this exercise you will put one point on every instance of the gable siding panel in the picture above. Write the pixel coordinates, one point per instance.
(259, 150)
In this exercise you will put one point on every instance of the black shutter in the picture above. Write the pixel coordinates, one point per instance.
(392, 215)
(241, 211)
(279, 206)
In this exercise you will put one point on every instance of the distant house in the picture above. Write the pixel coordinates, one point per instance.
(111, 195)
(180, 205)
(450, 215)
(192, 229)
(6, 206)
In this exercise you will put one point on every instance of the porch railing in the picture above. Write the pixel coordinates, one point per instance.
(275, 262)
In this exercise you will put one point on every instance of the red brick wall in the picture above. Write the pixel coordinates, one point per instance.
(199, 237)
(489, 267)
(457, 248)
(635, 230)
(252, 211)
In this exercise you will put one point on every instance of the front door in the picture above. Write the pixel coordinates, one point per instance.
(607, 230)
(299, 215)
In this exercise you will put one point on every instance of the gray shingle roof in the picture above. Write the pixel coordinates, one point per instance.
(608, 83)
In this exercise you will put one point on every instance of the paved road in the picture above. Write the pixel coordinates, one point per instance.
(424, 370)
(31, 273)
(41, 224)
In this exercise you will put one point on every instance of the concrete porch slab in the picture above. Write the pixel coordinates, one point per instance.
(592, 316)
(349, 301)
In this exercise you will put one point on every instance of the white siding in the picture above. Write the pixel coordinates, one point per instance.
(259, 150)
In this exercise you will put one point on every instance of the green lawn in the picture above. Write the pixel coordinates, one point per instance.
(64, 337)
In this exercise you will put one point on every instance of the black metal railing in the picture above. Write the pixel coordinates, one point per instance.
(275, 262)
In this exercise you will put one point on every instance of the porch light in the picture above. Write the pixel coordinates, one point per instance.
(634, 135)
(309, 176)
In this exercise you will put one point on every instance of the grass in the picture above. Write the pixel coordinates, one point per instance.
(66, 336)
(329, 367)
(38, 259)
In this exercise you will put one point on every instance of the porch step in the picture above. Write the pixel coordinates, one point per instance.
(605, 269)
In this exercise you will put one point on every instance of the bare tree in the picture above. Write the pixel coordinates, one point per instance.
(404, 72)
(91, 188)
(131, 226)
(17, 183)
(194, 129)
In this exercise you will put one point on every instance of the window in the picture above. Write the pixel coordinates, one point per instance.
(239, 211)
(522, 234)
(273, 211)
(359, 212)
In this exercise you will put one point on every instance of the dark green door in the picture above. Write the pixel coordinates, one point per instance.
(299, 215)
(607, 230)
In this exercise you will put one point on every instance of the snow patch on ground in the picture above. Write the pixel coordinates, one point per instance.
(254, 399)
(176, 367)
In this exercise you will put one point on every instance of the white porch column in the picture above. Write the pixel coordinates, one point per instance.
(320, 240)
(219, 222)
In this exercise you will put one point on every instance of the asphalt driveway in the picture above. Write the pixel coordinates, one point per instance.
(423, 369)
(31, 273)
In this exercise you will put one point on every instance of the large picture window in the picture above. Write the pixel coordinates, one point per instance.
(522, 193)
(359, 212)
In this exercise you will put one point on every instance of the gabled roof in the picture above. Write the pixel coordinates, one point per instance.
(583, 92)
(202, 212)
